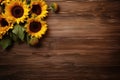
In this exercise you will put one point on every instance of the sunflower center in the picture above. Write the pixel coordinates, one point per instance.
(36, 9)
(3, 22)
(35, 26)
(17, 11)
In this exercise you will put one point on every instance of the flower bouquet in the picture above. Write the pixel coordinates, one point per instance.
(23, 20)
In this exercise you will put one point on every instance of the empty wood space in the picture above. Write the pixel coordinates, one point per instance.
(82, 43)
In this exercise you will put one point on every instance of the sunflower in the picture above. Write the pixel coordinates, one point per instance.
(5, 25)
(17, 11)
(38, 8)
(36, 28)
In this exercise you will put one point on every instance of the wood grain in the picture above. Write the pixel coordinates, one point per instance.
(82, 43)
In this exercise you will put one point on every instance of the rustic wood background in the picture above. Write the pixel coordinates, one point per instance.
(82, 43)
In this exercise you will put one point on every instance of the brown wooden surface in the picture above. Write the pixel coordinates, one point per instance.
(82, 43)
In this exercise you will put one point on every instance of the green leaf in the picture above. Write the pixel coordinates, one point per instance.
(4, 43)
(19, 31)
(27, 38)
(13, 37)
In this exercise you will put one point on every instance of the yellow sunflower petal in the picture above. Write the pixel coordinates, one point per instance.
(36, 28)
(5, 1)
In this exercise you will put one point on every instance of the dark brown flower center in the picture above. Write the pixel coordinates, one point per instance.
(3, 22)
(17, 11)
(36, 9)
(35, 26)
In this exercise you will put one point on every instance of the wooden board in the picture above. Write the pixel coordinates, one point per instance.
(82, 43)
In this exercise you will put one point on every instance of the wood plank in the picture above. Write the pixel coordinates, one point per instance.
(87, 9)
(81, 27)
(64, 72)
